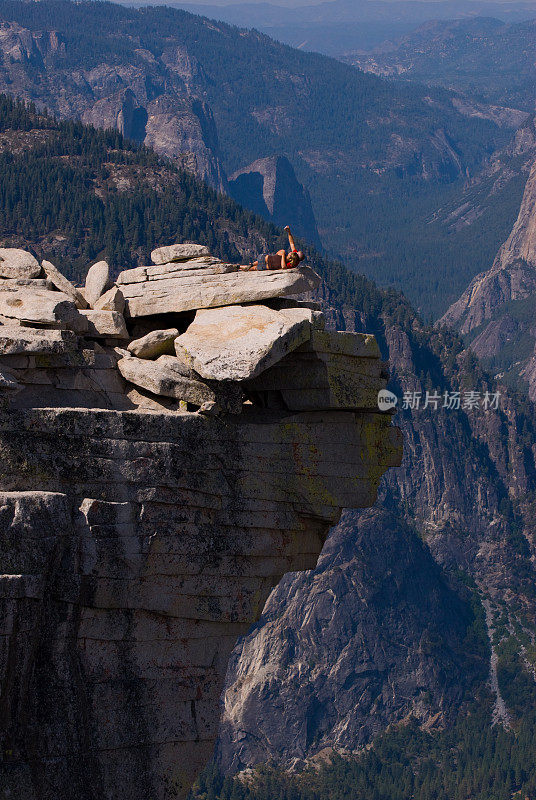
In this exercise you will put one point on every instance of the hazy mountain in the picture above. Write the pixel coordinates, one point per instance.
(496, 313)
(341, 26)
(484, 57)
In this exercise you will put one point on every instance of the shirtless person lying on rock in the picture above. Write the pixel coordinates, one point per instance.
(279, 260)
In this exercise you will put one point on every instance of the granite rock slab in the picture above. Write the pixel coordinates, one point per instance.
(239, 342)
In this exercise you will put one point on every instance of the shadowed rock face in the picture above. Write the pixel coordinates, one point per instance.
(342, 652)
(269, 187)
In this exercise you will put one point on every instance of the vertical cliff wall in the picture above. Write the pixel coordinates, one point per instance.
(136, 547)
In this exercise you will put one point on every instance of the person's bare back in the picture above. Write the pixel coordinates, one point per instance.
(277, 260)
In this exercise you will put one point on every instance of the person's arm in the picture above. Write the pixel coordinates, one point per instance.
(291, 241)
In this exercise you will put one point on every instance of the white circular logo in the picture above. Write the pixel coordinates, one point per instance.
(386, 400)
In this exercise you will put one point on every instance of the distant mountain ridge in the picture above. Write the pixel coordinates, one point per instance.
(487, 58)
(343, 26)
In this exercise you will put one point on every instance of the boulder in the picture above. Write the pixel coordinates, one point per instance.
(105, 324)
(166, 377)
(16, 263)
(97, 280)
(64, 285)
(209, 291)
(178, 252)
(160, 377)
(238, 342)
(154, 344)
(112, 300)
(42, 307)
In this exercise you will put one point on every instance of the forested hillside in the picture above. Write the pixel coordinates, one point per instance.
(76, 193)
(377, 158)
(472, 760)
(72, 192)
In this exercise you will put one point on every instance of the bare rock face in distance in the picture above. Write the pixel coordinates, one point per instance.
(269, 187)
(490, 311)
(512, 275)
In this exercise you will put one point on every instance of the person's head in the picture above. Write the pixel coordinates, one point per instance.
(294, 258)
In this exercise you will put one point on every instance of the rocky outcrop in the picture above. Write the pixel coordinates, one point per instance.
(495, 310)
(196, 284)
(142, 529)
(269, 187)
(512, 276)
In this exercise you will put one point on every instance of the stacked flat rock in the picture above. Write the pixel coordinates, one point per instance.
(208, 338)
(196, 280)
(239, 342)
(55, 349)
